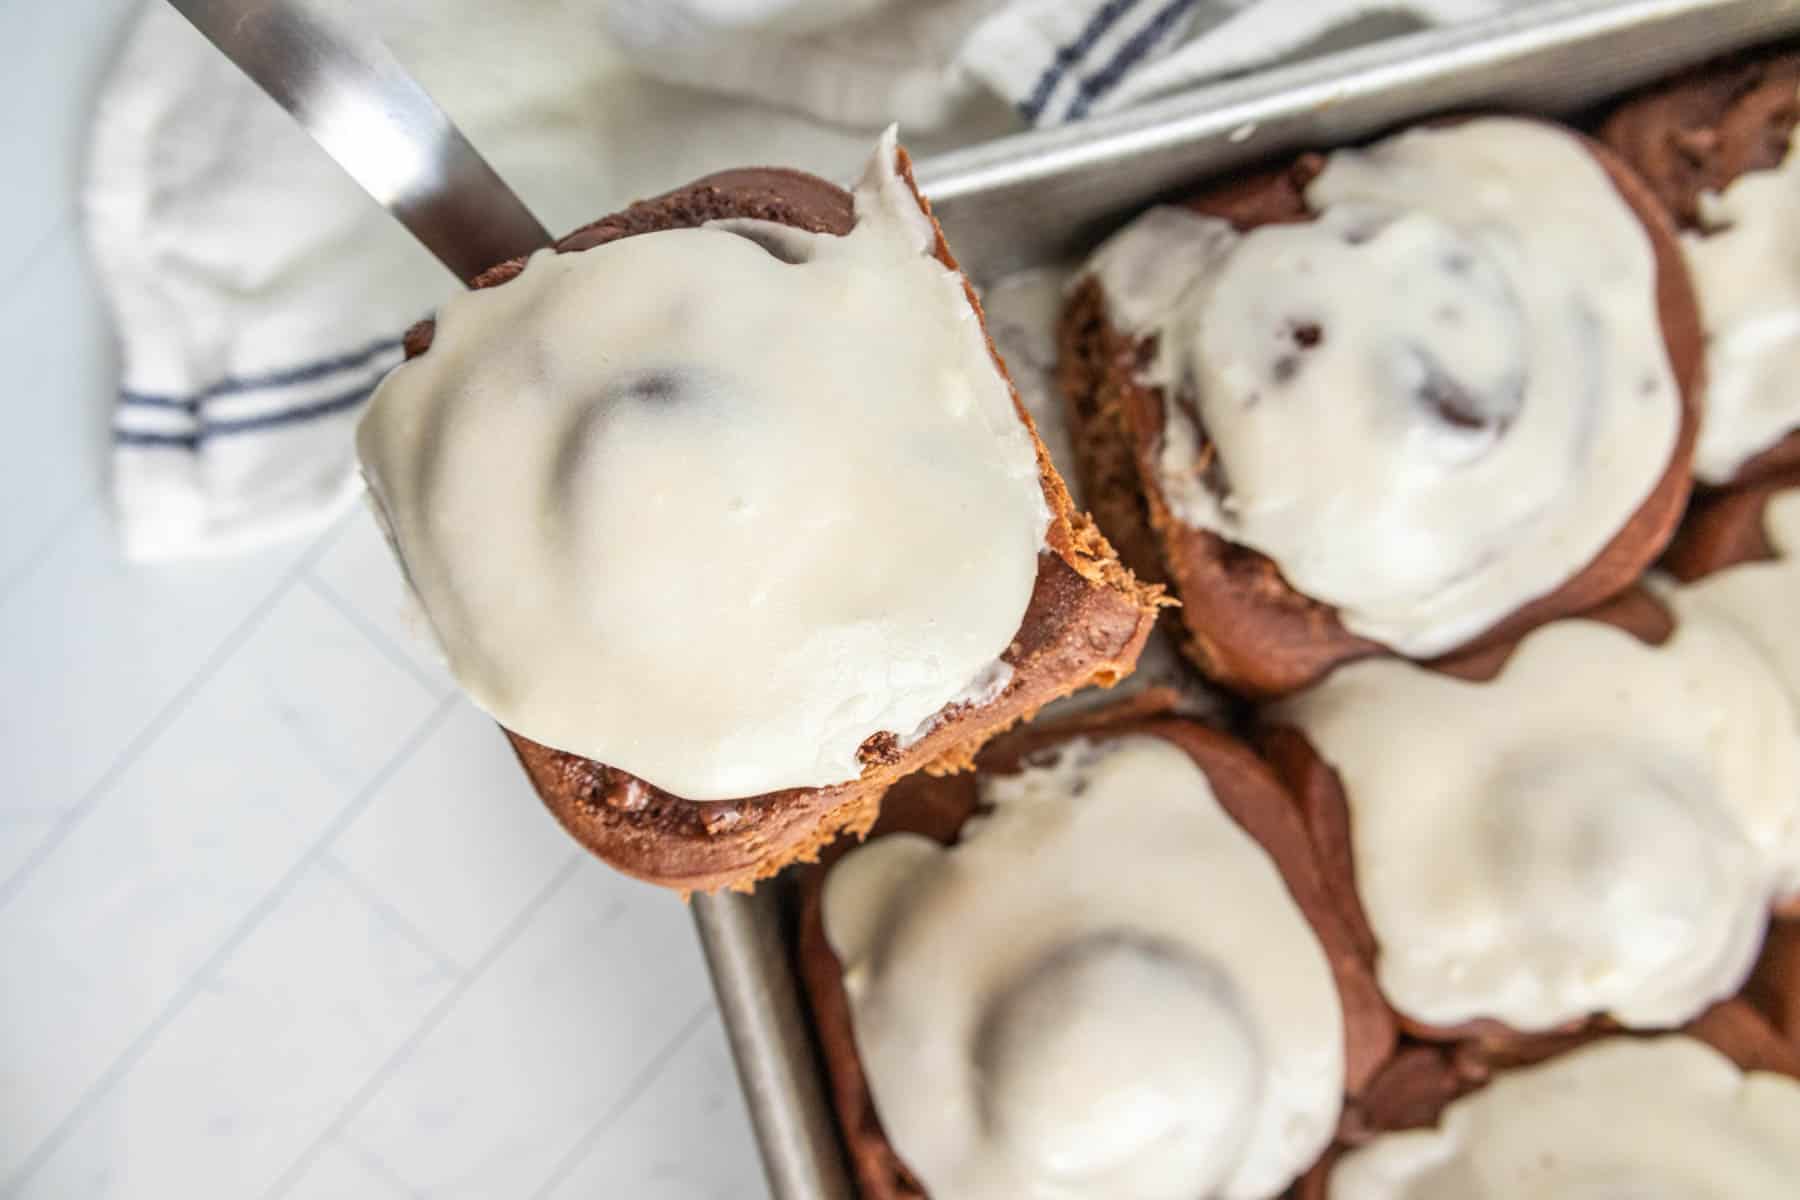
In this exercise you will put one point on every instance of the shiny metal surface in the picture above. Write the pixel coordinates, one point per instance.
(745, 941)
(347, 90)
(1040, 197)
(1044, 195)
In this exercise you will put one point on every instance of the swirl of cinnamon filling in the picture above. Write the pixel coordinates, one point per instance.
(1435, 402)
(1053, 1007)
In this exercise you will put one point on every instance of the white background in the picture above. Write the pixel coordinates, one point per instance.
(278, 914)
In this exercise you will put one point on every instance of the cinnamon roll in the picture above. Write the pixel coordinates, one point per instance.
(1412, 397)
(1595, 822)
(726, 510)
(1678, 1115)
(1046, 1007)
(1721, 147)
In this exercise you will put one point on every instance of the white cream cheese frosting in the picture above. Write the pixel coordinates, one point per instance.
(1103, 990)
(1436, 402)
(1601, 828)
(1022, 309)
(1659, 1119)
(1745, 261)
(1760, 601)
(713, 506)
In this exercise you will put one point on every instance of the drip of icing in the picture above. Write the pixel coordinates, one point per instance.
(1046, 1009)
(1431, 405)
(1021, 313)
(1664, 1119)
(1601, 828)
(1746, 268)
(714, 506)
(985, 688)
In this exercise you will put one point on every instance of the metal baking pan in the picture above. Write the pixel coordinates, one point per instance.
(1039, 198)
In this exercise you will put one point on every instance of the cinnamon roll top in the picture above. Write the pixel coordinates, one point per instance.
(1441, 388)
(1600, 827)
(1621, 1117)
(1040, 1009)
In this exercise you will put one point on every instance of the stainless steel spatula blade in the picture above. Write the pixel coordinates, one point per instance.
(347, 90)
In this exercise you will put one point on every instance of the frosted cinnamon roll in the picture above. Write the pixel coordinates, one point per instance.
(1663, 1117)
(1408, 397)
(1721, 147)
(1052, 1006)
(725, 509)
(1596, 822)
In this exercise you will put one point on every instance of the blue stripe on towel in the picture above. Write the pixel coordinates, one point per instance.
(256, 383)
(1104, 80)
(222, 428)
(1068, 56)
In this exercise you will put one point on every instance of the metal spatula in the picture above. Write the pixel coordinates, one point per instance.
(348, 91)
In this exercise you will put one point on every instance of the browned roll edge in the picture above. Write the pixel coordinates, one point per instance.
(937, 808)
(1724, 529)
(1248, 628)
(1086, 623)
(1697, 132)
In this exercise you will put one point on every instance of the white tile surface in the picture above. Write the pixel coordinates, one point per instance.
(62, 366)
(555, 1030)
(25, 827)
(55, 53)
(93, 651)
(316, 998)
(698, 1091)
(264, 888)
(456, 841)
(338, 1174)
(180, 849)
(357, 570)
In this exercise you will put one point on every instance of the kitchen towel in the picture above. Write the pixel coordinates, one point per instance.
(915, 61)
(259, 296)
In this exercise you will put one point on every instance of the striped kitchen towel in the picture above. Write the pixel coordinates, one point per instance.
(259, 296)
(918, 61)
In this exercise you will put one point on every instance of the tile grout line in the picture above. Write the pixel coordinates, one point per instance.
(158, 724)
(634, 1091)
(191, 987)
(396, 920)
(65, 220)
(335, 1132)
(377, 1166)
(382, 643)
(58, 527)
